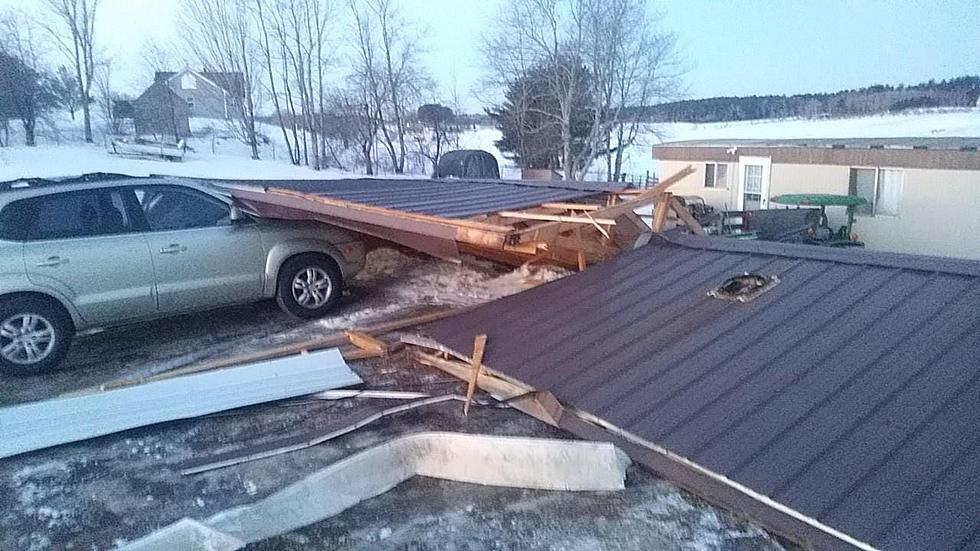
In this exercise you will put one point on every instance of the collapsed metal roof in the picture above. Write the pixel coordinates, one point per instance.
(447, 198)
(840, 407)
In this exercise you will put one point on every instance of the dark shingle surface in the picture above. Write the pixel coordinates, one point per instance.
(849, 392)
(448, 198)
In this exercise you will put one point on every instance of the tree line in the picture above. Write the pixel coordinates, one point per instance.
(344, 81)
(955, 92)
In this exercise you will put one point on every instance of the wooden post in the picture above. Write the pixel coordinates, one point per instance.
(479, 345)
(660, 212)
(581, 261)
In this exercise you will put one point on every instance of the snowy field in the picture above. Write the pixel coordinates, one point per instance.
(220, 156)
(926, 123)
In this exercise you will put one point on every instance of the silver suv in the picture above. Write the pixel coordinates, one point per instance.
(81, 255)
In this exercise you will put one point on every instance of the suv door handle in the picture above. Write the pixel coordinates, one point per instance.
(52, 262)
(174, 248)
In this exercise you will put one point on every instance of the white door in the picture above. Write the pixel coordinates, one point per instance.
(753, 183)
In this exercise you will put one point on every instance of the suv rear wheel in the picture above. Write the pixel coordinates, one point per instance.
(309, 285)
(34, 335)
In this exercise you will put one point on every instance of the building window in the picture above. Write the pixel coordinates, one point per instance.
(190, 103)
(716, 175)
(881, 187)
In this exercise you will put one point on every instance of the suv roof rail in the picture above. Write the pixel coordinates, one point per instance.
(21, 183)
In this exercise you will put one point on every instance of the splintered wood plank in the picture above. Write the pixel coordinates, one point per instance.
(556, 218)
(571, 206)
(479, 345)
(367, 342)
(685, 216)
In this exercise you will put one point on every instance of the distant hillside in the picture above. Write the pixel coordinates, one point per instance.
(956, 92)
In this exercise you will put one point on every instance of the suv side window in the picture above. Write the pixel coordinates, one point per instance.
(171, 208)
(74, 214)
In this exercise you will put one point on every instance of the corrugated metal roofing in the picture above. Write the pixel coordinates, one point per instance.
(849, 392)
(447, 198)
(947, 142)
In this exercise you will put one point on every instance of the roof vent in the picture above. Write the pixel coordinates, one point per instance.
(745, 287)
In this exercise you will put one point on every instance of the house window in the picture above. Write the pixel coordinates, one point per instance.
(881, 187)
(190, 103)
(716, 175)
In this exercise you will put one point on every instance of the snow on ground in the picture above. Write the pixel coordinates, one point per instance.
(219, 155)
(924, 123)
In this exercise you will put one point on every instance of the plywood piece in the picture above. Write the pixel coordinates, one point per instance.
(39, 425)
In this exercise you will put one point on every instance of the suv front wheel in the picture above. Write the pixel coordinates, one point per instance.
(308, 285)
(34, 335)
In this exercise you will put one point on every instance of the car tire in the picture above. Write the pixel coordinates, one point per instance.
(24, 323)
(309, 285)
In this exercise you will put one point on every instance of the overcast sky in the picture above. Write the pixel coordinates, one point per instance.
(731, 47)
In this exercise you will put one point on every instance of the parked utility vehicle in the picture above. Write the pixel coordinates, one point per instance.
(80, 255)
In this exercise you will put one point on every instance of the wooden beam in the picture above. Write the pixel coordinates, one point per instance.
(597, 226)
(571, 206)
(556, 218)
(479, 345)
(581, 261)
(330, 341)
(660, 212)
(366, 342)
(685, 216)
(541, 406)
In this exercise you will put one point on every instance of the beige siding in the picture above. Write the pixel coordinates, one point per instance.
(939, 212)
(719, 198)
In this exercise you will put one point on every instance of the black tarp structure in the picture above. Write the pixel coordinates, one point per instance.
(468, 163)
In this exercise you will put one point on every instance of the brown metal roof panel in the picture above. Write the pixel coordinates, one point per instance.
(946, 517)
(742, 375)
(904, 384)
(448, 198)
(948, 438)
(711, 346)
(736, 452)
(786, 393)
(860, 445)
(592, 335)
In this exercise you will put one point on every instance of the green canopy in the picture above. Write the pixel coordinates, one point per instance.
(819, 200)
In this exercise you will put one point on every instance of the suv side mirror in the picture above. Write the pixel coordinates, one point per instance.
(236, 215)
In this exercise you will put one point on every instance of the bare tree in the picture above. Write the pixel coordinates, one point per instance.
(606, 54)
(221, 36)
(78, 17)
(388, 70)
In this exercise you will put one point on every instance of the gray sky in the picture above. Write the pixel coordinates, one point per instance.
(731, 47)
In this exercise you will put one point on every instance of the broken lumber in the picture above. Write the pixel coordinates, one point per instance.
(39, 425)
(536, 463)
(571, 206)
(366, 342)
(330, 341)
(479, 345)
(555, 218)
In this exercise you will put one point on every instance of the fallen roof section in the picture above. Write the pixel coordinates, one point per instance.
(839, 407)
(569, 223)
(490, 460)
(48, 423)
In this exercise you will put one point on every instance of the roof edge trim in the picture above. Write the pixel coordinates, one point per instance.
(922, 263)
